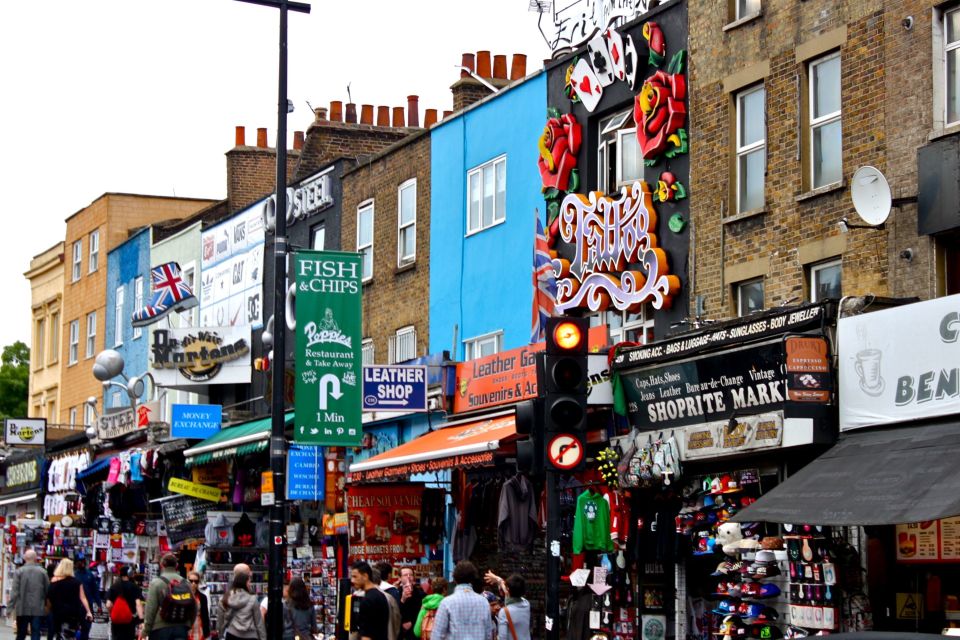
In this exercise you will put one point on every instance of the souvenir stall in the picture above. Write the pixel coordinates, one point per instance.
(21, 487)
(61, 497)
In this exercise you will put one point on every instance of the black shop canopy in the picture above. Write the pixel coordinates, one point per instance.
(895, 475)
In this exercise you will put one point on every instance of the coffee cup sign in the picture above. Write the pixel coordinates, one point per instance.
(868, 368)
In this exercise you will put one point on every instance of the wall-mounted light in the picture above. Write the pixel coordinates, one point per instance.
(907, 254)
(907, 23)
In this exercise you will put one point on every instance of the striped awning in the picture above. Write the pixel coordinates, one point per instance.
(237, 441)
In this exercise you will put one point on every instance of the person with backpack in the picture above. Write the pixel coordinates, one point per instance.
(67, 601)
(123, 602)
(240, 617)
(171, 607)
(423, 628)
(299, 614)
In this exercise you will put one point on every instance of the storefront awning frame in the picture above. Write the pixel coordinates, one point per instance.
(242, 439)
(25, 497)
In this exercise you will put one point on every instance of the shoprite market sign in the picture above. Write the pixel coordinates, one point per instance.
(507, 377)
(739, 382)
(900, 364)
(328, 354)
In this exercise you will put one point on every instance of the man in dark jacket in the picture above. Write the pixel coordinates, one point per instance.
(411, 599)
(90, 582)
(28, 596)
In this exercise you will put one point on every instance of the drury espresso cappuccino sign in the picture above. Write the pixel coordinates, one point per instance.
(208, 355)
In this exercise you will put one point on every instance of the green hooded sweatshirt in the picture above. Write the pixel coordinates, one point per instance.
(430, 603)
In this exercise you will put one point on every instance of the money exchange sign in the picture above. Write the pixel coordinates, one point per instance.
(328, 354)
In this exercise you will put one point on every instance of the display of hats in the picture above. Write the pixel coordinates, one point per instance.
(727, 606)
(749, 609)
(727, 589)
(759, 590)
(716, 486)
(759, 572)
(765, 556)
(772, 543)
(749, 544)
(732, 626)
(728, 567)
(765, 631)
(729, 484)
(768, 614)
(746, 501)
(705, 546)
(708, 502)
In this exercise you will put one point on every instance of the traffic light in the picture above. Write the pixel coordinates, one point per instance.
(565, 375)
(529, 422)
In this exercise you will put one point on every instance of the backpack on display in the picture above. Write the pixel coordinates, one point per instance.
(426, 625)
(179, 605)
(120, 612)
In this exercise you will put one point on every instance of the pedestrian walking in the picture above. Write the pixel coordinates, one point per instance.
(91, 584)
(299, 614)
(124, 601)
(200, 630)
(171, 609)
(423, 628)
(68, 601)
(513, 620)
(465, 615)
(28, 596)
(240, 617)
(373, 617)
(411, 601)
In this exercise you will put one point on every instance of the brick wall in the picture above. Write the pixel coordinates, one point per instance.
(327, 141)
(252, 173)
(886, 103)
(394, 298)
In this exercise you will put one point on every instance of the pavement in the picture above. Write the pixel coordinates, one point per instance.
(6, 630)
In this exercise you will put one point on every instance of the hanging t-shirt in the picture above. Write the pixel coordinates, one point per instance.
(591, 524)
(243, 531)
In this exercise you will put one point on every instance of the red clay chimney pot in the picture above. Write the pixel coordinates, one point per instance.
(429, 118)
(413, 111)
(383, 116)
(351, 116)
(500, 67)
(398, 116)
(336, 111)
(320, 114)
(518, 68)
(262, 137)
(447, 114)
(241, 137)
(366, 114)
(298, 140)
(483, 64)
(468, 62)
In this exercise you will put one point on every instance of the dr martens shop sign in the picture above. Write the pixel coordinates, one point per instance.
(192, 356)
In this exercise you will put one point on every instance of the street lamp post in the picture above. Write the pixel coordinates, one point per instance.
(278, 443)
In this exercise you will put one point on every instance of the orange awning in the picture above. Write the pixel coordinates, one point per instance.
(462, 445)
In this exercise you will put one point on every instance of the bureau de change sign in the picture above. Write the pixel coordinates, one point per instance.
(328, 354)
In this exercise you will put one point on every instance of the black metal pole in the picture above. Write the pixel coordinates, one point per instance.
(278, 443)
(553, 557)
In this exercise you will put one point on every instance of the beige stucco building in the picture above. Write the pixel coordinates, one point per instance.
(46, 300)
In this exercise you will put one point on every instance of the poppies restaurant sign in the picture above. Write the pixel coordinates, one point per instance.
(900, 364)
(611, 235)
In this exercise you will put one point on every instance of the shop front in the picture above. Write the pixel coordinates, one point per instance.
(893, 471)
(719, 418)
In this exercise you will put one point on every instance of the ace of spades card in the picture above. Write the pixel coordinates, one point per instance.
(599, 58)
(616, 53)
(587, 84)
(629, 61)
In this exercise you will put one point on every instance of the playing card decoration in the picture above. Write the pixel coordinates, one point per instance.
(629, 61)
(568, 88)
(611, 57)
(586, 84)
(614, 44)
(660, 112)
(600, 60)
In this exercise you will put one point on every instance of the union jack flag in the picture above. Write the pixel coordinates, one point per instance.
(544, 285)
(170, 286)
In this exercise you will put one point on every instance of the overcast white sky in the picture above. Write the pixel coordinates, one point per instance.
(142, 96)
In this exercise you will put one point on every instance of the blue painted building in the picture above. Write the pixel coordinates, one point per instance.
(485, 188)
(128, 287)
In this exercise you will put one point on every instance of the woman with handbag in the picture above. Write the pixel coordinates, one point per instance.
(299, 614)
(513, 621)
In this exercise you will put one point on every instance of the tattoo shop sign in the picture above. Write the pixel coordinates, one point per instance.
(328, 355)
(741, 382)
(199, 356)
(577, 21)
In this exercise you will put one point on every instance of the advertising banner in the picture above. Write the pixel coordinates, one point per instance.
(394, 388)
(328, 388)
(931, 541)
(385, 521)
(749, 433)
(900, 364)
(743, 382)
(231, 279)
(194, 356)
(25, 431)
(196, 421)
(306, 479)
(120, 423)
(187, 488)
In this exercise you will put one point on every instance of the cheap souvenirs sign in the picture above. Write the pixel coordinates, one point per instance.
(328, 355)
(384, 521)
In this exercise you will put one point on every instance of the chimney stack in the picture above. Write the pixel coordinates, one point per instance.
(298, 140)
(429, 118)
(518, 69)
(262, 137)
(398, 116)
(483, 64)
(383, 116)
(468, 62)
(336, 111)
(366, 114)
(241, 137)
(351, 113)
(500, 67)
(413, 111)
(320, 114)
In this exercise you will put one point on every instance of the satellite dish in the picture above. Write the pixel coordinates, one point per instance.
(871, 195)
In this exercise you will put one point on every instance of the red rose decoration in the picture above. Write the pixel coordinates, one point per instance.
(656, 42)
(660, 114)
(558, 146)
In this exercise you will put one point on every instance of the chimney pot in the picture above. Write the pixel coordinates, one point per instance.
(483, 64)
(398, 116)
(298, 140)
(500, 67)
(351, 116)
(262, 137)
(429, 118)
(447, 114)
(383, 116)
(320, 114)
(413, 111)
(518, 69)
(366, 114)
(468, 62)
(241, 137)
(336, 111)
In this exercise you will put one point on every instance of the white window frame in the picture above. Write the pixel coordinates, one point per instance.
(73, 416)
(77, 260)
(750, 9)
(612, 130)
(54, 338)
(817, 268)
(945, 48)
(320, 229)
(118, 317)
(361, 208)
(89, 414)
(399, 350)
(498, 217)
(38, 355)
(745, 150)
(830, 118)
(93, 263)
(471, 345)
(73, 356)
(367, 354)
(403, 260)
(620, 332)
(138, 303)
(188, 318)
(91, 341)
(741, 312)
